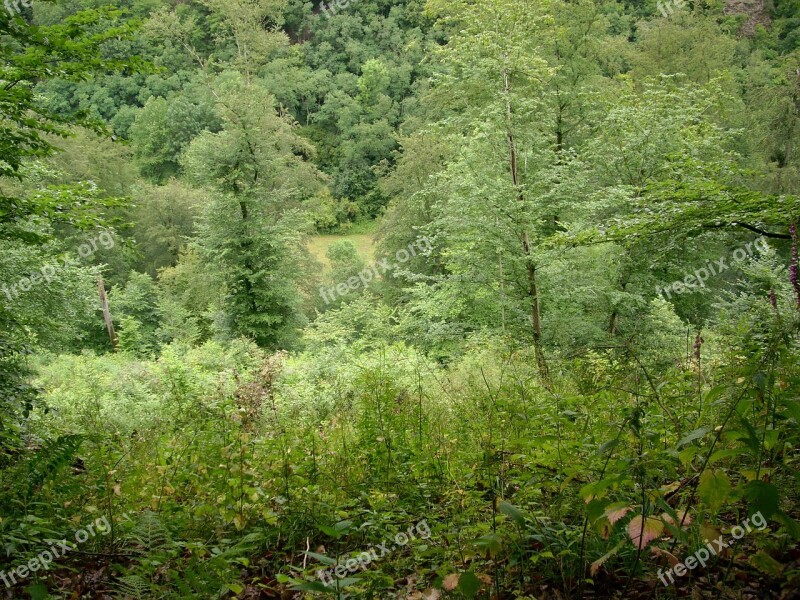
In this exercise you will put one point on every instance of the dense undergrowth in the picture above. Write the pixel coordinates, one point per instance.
(231, 472)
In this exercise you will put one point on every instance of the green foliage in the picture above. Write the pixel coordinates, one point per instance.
(539, 383)
(70, 50)
(381, 436)
(189, 301)
(251, 229)
(164, 220)
(345, 264)
(50, 458)
(164, 128)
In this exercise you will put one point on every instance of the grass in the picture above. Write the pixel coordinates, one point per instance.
(361, 235)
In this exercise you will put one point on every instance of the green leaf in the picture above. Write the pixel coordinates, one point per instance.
(753, 441)
(595, 567)
(512, 511)
(330, 531)
(491, 544)
(792, 406)
(597, 489)
(469, 584)
(322, 558)
(343, 526)
(314, 586)
(766, 564)
(770, 438)
(792, 526)
(38, 591)
(686, 456)
(762, 497)
(714, 489)
(694, 435)
(726, 453)
(595, 509)
(711, 395)
(609, 445)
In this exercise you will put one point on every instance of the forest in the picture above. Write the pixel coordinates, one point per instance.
(399, 299)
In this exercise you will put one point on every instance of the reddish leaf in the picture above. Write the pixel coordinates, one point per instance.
(615, 512)
(643, 531)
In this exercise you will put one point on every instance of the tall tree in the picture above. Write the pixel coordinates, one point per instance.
(507, 181)
(71, 50)
(253, 227)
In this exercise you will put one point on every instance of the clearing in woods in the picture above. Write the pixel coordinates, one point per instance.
(363, 240)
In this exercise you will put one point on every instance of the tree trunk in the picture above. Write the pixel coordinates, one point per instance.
(101, 289)
(612, 323)
(533, 291)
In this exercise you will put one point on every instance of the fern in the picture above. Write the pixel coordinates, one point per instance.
(149, 532)
(148, 538)
(50, 458)
(132, 586)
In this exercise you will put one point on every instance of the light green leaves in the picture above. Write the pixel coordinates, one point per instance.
(714, 489)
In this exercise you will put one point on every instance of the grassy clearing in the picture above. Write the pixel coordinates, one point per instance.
(318, 245)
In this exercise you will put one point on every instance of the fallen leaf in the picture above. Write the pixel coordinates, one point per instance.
(656, 551)
(766, 564)
(682, 516)
(669, 488)
(451, 582)
(709, 533)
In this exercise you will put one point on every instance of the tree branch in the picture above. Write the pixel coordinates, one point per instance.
(780, 236)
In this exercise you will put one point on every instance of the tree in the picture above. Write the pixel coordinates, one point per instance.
(164, 219)
(70, 51)
(494, 198)
(252, 229)
(190, 300)
(134, 307)
(164, 128)
(345, 264)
